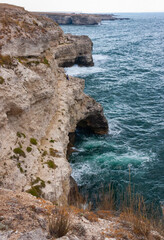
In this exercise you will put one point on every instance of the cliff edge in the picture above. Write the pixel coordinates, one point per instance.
(39, 107)
(79, 18)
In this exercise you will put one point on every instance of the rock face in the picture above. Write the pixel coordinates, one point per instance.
(74, 19)
(109, 17)
(76, 50)
(39, 107)
(80, 19)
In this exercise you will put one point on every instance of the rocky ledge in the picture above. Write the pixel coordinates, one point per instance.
(39, 107)
(24, 217)
(79, 19)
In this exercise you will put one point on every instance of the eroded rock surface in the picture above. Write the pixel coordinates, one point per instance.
(80, 19)
(74, 19)
(25, 34)
(39, 107)
(25, 217)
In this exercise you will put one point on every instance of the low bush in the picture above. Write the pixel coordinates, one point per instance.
(33, 141)
(28, 149)
(35, 191)
(19, 151)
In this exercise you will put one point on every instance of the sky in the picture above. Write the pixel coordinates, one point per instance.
(90, 6)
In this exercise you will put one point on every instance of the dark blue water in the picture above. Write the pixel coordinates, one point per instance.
(128, 80)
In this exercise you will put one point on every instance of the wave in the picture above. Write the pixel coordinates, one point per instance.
(83, 71)
(100, 57)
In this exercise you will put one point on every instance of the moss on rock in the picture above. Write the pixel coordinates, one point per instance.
(20, 168)
(35, 191)
(51, 164)
(44, 153)
(19, 151)
(28, 149)
(33, 141)
(37, 180)
(53, 152)
(19, 134)
(2, 80)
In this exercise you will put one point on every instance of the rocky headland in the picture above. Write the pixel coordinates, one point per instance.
(39, 107)
(79, 19)
(40, 110)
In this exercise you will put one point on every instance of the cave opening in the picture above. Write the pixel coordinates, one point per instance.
(75, 196)
(94, 124)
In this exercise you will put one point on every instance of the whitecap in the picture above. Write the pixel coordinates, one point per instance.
(82, 71)
(100, 57)
(114, 128)
(79, 170)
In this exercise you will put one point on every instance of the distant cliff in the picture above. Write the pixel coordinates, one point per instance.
(79, 19)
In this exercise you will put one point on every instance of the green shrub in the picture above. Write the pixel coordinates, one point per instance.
(51, 164)
(19, 134)
(28, 149)
(19, 151)
(45, 61)
(37, 180)
(33, 141)
(35, 191)
(2, 80)
(53, 152)
(20, 168)
(44, 153)
(20, 145)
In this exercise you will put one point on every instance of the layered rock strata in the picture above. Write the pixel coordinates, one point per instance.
(39, 107)
(80, 19)
(74, 19)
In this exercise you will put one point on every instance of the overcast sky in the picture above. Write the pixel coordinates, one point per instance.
(106, 6)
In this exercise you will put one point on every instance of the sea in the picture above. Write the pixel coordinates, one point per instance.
(128, 80)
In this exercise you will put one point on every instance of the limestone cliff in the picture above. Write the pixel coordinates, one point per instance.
(39, 107)
(73, 18)
(79, 19)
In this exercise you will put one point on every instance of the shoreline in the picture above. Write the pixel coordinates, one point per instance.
(79, 18)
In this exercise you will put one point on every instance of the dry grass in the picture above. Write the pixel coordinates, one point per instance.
(107, 200)
(77, 200)
(5, 60)
(138, 224)
(133, 215)
(127, 207)
(91, 216)
(104, 214)
(59, 223)
(77, 211)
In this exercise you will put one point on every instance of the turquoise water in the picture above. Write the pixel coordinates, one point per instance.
(128, 80)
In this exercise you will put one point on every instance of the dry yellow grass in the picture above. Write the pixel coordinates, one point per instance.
(59, 223)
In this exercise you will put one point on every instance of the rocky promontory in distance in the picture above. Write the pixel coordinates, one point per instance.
(79, 18)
